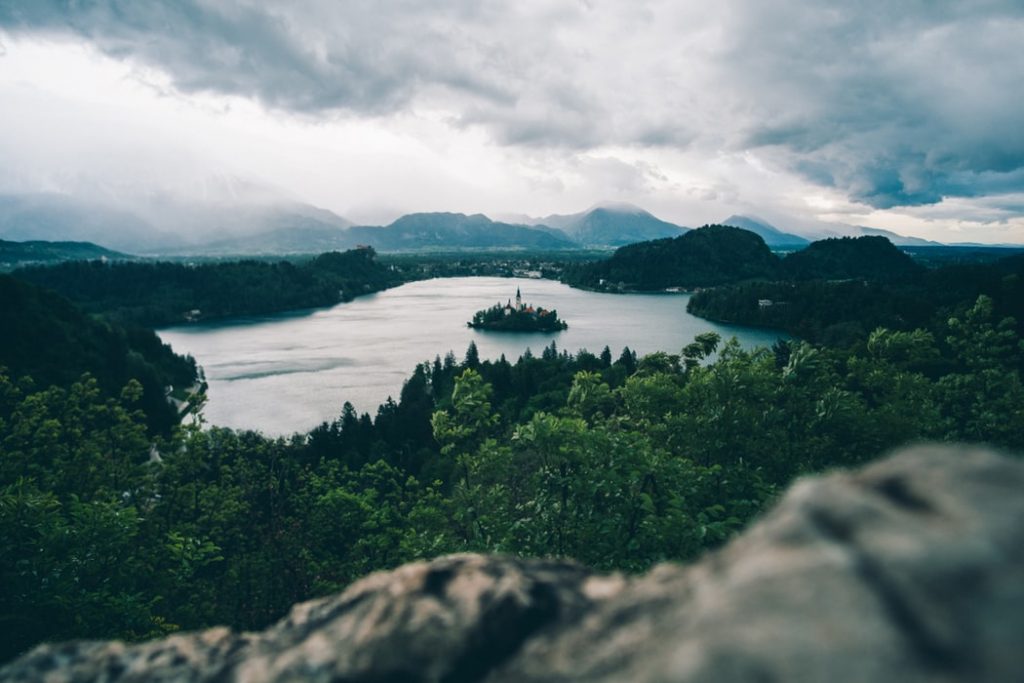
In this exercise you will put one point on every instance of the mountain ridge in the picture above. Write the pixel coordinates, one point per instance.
(250, 224)
(611, 225)
(771, 235)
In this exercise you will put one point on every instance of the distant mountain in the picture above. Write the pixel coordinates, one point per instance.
(303, 236)
(830, 230)
(611, 225)
(711, 255)
(164, 225)
(898, 240)
(258, 228)
(15, 254)
(167, 225)
(56, 217)
(456, 231)
(868, 258)
(771, 235)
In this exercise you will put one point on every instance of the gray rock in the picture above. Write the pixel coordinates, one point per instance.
(911, 569)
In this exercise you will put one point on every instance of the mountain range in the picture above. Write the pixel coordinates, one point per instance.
(269, 226)
(160, 225)
(897, 239)
(609, 225)
(771, 235)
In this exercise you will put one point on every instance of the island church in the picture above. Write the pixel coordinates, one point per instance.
(509, 309)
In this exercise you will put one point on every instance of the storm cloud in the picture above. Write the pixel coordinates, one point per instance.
(892, 104)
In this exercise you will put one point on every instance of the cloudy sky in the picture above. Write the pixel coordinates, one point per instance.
(903, 115)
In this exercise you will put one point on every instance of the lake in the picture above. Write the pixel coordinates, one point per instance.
(289, 372)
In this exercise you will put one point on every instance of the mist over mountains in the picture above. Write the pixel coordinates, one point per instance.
(268, 225)
(160, 225)
(281, 227)
(771, 235)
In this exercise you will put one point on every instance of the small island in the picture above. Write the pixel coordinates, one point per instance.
(517, 318)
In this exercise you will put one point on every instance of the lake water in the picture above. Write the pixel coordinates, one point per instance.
(288, 373)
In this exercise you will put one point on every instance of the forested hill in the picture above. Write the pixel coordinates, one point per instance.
(618, 464)
(156, 294)
(14, 254)
(843, 311)
(846, 258)
(711, 255)
(48, 339)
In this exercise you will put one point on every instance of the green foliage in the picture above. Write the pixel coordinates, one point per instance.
(48, 339)
(14, 254)
(982, 399)
(861, 258)
(108, 531)
(507, 318)
(159, 293)
(858, 292)
(711, 255)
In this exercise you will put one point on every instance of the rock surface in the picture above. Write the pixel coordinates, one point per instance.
(911, 569)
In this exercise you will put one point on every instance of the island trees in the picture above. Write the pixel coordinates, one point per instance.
(520, 317)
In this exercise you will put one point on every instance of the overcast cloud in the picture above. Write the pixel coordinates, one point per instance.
(872, 109)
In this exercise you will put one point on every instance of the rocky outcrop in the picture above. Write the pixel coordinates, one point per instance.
(911, 569)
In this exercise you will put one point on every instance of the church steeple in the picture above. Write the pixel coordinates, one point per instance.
(519, 299)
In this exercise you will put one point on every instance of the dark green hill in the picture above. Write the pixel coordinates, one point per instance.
(48, 339)
(851, 258)
(711, 255)
(15, 254)
(158, 293)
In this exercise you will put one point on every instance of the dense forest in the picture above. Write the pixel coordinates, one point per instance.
(116, 521)
(844, 258)
(834, 292)
(157, 294)
(711, 255)
(718, 255)
(47, 339)
(618, 462)
(844, 310)
(15, 254)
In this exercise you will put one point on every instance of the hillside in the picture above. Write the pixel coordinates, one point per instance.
(15, 254)
(50, 340)
(846, 258)
(858, 287)
(160, 293)
(711, 255)
(307, 237)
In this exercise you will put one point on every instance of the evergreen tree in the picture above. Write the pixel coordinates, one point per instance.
(472, 359)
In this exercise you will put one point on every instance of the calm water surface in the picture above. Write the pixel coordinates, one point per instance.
(288, 373)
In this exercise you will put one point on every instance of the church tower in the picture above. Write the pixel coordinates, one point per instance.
(519, 299)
